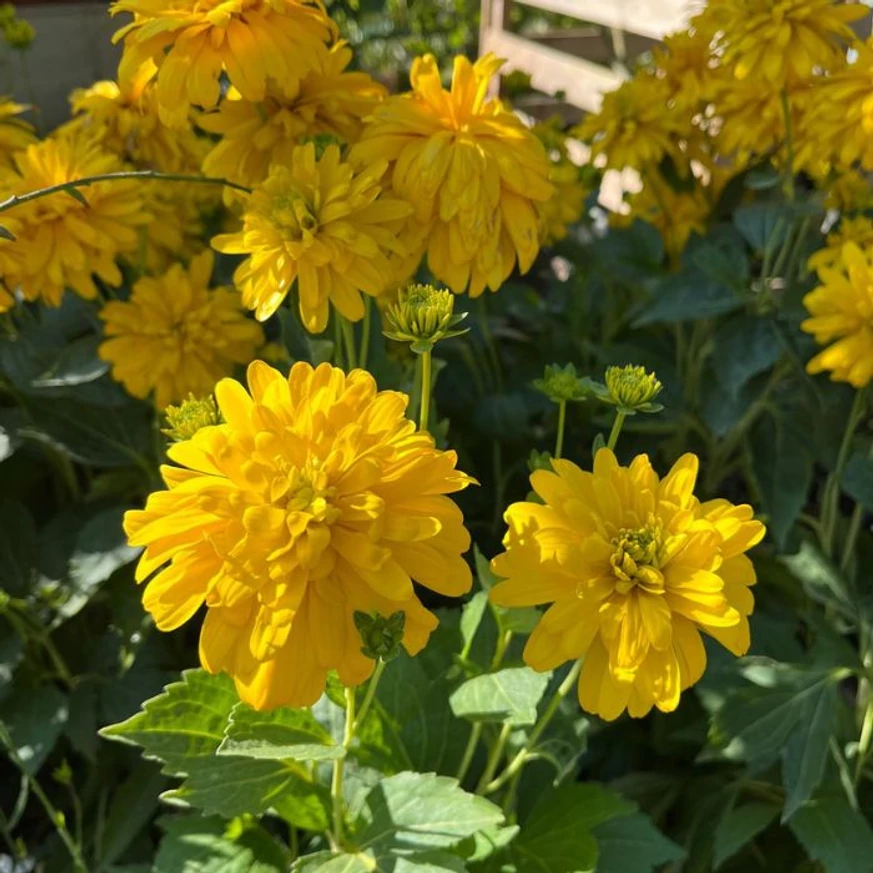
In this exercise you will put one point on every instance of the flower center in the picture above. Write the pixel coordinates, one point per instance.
(307, 490)
(635, 559)
(294, 217)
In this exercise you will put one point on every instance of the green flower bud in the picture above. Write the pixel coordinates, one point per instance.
(381, 637)
(422, 316)
(632, 389)
(192, 415)
(562, 384)
(19, 34)
(539, 461)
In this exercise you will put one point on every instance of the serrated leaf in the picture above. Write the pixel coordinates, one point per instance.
(834, 834)
(511, 695)
(744, 346)
(282, 734)
(202, 845)
(820, 578)
(632, 844)
(740, 826)
(411, 813)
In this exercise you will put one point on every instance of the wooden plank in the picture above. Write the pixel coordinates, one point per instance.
(550, 70)
(652, 18)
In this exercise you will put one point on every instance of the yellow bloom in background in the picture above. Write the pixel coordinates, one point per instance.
(839, 125)
(7, 301)
(15, 133)
(841, 313)
(62, 242)
(564, 207)
(470, 167)
(318, 498)
(846, 190)
(187, 44)
(254, 136)
(635, 567)
(636, 126)
(321, 225)
(177, 335)
(123, 117)
(851, 229)
(780, 41)
(684, 62)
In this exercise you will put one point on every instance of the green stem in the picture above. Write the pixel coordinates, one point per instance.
(616, 429)
(864, 741)
(469, 751)
(562, 421)
(493, 357)
(548, 714)
(18, 199)
(348, 333)
(56, 816)
(500, 650)
(369, 695)
(854, 529)
(424, 413)
(365, 335)
(831, 498)
(336, 783)
(494, 758)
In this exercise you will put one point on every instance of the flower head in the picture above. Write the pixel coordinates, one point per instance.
(123, 116)
(15, 133)
(177, 335)
(315, 500)
(472, 170)
(190, 416)
(779, 41)
(187, 44)
(635, 568)
(563, 384)
(841, 312)
(632, 389)
(857, 229)
(422, 315)
(19, 34)
(64, 240)
(326, 100)
(322, 225)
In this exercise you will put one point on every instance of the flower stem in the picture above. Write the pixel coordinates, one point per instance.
(616, 429)
(864, 741)
(56, 817)
(336, 783)
(548, 714)
(369, 695)
(562, 421)
(425, 389)
(854, 530)
(831, 497)
(494, 758)
(18, 199)
(472, 742)
(348, 333)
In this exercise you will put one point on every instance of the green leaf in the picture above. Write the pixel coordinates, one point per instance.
(511, 695)
(783, 471)
(76, 364)
(205, 845)
(834, 834)
(35, 718)
(283, 734)
(17, 548)
(686, 297)
(325, 862)
(740, 826)
(5, 233)
(632, 844)
(763, 225)
(184, 726)
(744, 346)
(471, 616)
(76, 194)
(857, 480)
(793, 721)
(821, 580)
(132, 808)
(413, 813)
(11, 655)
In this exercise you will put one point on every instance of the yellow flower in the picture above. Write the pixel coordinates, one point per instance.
(177, 335)
(7, 301)
(684, 62)
(564, 207)
(192, 42)
(62, 241)
(636, 568)
(781, 41)
(841, 309)
(254, 136)
(123, 117)
(470, 167)
(316, 499)
(317, 223)
(15, 133)
(839, 125)
(851, 229)
(636, 126)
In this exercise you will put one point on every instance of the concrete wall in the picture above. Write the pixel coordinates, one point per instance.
(72, 49)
